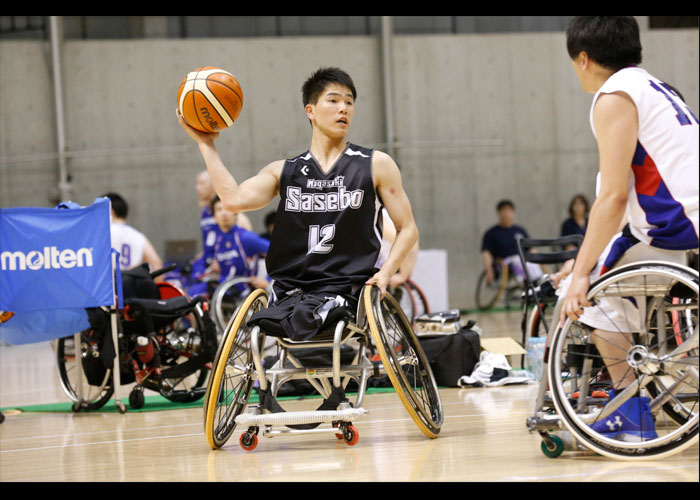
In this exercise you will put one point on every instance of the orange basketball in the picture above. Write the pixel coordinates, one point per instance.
(210, 99)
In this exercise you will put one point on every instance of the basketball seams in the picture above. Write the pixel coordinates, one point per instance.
(233, 104)
(196, 86)
(240, 98)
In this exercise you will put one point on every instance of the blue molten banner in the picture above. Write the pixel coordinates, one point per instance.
(54, 260)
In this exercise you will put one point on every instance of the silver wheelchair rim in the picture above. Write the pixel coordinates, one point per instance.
(576, 423)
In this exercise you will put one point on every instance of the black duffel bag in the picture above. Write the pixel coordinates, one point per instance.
(452, 356)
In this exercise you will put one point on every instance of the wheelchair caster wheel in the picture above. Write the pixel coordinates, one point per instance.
(137, 399)
(555, 448)
(248, 441)
(351, 435)
(339, 435)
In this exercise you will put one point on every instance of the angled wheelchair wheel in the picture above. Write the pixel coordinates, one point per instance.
(225, 300)
(421, 301)
(404, 360)
(232, 374)
(487, 294)
(661, 354)
(406, 300)
(184, 341)
(96, 384)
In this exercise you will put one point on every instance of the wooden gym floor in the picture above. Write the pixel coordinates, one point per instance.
(483, 439)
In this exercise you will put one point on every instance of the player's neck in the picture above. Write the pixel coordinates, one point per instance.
(326, 149)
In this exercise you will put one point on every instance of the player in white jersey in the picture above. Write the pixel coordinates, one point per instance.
(133, 246)
(648, 146)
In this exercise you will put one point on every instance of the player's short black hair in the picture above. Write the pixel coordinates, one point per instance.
(213, 202)
(503, 204)
(315, 85)
(611, 41)
(119, 204)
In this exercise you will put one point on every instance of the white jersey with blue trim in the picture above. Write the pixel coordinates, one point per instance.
(130, 244)
(663, 197)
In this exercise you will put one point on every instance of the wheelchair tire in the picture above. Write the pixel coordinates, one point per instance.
(94, 396)
(228, 393)
(398, 348)
(406, 300)
(225, 302)
(657, 372)
(488, 294)
(422, 306)
(183, 340)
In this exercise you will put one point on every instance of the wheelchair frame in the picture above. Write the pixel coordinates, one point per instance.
(111, 384)
(661, 371)
(425, 408)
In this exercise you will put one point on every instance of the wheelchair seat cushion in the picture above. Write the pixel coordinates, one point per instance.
(301, 317)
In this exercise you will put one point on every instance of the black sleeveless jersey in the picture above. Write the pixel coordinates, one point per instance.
(328, 227)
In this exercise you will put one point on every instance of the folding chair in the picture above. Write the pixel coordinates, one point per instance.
(531, 250)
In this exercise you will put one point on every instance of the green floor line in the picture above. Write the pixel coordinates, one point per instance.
(157, 403)
(492, 310)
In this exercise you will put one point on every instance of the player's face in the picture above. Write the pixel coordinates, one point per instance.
(224, 218)
(506, 216)
(333, 111)
(205, 190)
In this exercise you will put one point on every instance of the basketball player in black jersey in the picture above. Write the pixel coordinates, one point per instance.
(328, 226)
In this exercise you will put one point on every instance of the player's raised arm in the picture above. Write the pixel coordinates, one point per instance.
(390, 187)
(251, 194)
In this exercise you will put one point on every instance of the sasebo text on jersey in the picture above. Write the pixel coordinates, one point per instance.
(322, 202)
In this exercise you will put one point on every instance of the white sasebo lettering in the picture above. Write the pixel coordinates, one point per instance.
(297, 201)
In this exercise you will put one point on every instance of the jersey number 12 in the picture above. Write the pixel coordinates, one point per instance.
(319, 238)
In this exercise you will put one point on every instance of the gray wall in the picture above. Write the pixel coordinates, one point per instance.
(478, 118)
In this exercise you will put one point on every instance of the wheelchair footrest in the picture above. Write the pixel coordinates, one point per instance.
(299, 417)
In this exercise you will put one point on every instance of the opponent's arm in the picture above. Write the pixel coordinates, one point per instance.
(251, 194)
(387, 180)
(615, 121)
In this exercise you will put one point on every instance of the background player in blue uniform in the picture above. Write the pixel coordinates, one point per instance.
(236, 249)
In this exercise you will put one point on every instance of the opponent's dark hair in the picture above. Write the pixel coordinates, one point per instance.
(574, 200)
(611, 41)
(503, 204)
(213, 202)
(315, 85)
(119, 204)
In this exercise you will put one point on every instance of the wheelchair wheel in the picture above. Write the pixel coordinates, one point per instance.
(422, 306)
(405, 299)
(663, 357)
(226, 299)
(232, 375)
(487, 294)
(404, 360)
(96, 391)
(186, 338)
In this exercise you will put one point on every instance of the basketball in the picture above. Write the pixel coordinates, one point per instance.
(210, 99)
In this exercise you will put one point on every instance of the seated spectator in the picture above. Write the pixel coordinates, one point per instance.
(500, 243)
(578, 217)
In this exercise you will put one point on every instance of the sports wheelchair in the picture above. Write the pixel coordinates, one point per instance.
(662, 355)
(378, 323)
(166, 344)
(230, 294)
